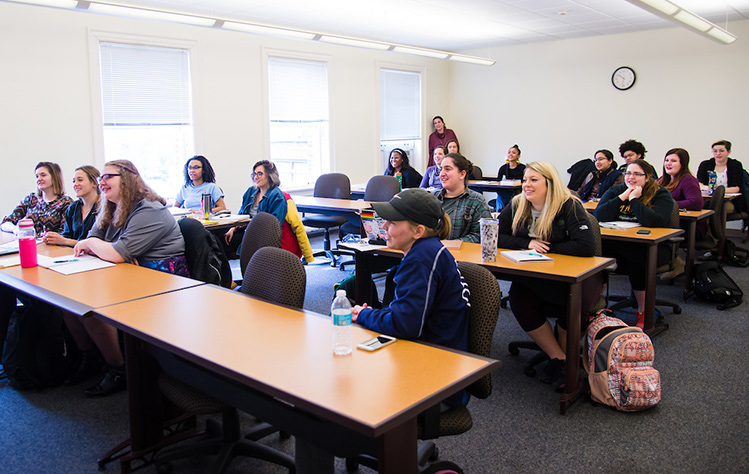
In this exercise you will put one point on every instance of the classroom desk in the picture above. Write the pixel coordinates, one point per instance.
(216, 224)
(650, 241)
(484, 185)
(333, 207)
(277, 362)
(81, 293)
(689, 219)
(358, 190)
(564, 268)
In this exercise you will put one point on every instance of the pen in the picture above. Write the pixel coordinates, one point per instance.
(66, 261)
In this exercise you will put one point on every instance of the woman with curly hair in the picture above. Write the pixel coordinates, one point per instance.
(199, 179)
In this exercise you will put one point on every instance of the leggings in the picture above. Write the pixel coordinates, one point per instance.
(533, 300)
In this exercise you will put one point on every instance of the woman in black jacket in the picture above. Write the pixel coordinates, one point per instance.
(730, 173)
(545, 217)
(639, 199)
(398, 163)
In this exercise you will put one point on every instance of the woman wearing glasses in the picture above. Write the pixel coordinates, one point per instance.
(199, 179)
(606, 175)
(266, 196)
(639, 199)
(132, 226)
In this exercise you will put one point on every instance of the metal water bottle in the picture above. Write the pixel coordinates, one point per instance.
(207, 206)
(340, 312)
(712, 179)
(27, 243)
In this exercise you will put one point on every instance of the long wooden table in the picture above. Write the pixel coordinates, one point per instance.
(689, 220)
(277, 362)
(492, 186)
(334, 207)
(567, 269)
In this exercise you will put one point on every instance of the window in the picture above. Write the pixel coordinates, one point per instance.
(147, 111)
(299, 119)
(400, 113)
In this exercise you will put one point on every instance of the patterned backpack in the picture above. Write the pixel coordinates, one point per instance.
(619, 362)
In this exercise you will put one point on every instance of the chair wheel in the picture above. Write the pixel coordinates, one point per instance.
(677, 310)
(529, 372)
(351, 465)
(164, 467)
(513, 350)
(283, 435)
(435, 454)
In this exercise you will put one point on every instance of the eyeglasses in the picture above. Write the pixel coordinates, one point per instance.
(194, 168)
(600, 159)
(633, 173)
(258, 174)
(107, 177)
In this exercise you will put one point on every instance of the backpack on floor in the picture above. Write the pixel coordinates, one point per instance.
(736, 256)
(619, 362)
(36, 354)
(712, 283)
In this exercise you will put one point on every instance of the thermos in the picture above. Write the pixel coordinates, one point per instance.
(207, 206)
(27, 243)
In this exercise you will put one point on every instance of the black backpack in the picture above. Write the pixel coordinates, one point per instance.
(736, 256)
(712, 283)
(36, 353)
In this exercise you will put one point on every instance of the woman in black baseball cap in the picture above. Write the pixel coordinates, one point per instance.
(431, 301)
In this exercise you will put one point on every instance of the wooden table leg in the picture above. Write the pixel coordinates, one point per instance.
(651, 264)
(397, 450)
(363, 277)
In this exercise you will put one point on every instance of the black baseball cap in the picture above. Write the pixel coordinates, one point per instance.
(417, 205)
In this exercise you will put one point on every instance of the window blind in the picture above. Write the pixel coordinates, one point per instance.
(298, 90)
(400, 99)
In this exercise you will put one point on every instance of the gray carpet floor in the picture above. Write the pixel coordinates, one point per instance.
(701, 424)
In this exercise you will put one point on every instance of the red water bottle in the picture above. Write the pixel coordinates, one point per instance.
(27, 243)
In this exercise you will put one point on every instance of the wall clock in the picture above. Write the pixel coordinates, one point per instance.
(623, 78)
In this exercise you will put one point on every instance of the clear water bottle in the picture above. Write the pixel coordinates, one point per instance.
(340, 311)
(27, 243)
(712, 179)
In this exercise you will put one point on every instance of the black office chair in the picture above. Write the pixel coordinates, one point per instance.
(485, 296)
(514, 347)
(476, 173)
(275, 275)
(379, 188)
(264, 230)
(674, 242)
(336, 186)
(206, 260)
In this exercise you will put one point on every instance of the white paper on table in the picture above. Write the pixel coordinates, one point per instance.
(6, 262)
(229, 218)
(70, 264)
(620, 225)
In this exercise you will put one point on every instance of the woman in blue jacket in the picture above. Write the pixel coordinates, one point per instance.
(545, 217)
(431, 301)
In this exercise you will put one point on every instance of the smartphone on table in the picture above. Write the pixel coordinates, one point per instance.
(375, 343)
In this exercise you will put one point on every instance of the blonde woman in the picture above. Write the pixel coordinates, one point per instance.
(545, 217)
(80, 216)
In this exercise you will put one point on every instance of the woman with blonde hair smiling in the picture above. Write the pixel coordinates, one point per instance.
(546, 217)
(80, 216)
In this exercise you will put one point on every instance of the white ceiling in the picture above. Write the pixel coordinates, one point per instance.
(455, 25)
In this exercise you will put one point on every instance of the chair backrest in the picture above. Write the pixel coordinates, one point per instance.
(717, 228)
(381, 188)
(206, 261)
(675, 216)
(264, 230)
(333, 185)
(596, 229)
(485, 300)
(477, 173)
(276, 275)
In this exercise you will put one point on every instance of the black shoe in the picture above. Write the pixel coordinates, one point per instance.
(113, 382)
(88, 365)
(552, 371)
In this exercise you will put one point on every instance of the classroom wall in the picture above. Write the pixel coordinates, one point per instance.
(556, 101)
(46, 103)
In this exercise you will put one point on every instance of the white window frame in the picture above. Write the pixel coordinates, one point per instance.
(418, 162)
(95, 37)
(325, 164)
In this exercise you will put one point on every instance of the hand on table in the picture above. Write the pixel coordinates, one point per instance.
(539, 246)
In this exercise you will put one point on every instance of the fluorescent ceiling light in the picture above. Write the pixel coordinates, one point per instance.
(722, 35)
(692, 20)
(51, 3)
(421, 52)
(150, 14)
(268, 30)
(662, 5)
(354, 42)
(472, 60)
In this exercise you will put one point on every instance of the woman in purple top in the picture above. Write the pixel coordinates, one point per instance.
(440, 136)
(685, 189)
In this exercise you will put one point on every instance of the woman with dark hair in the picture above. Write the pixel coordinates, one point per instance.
(464, 206)
(133, 225)
(598, 182)
(729, 173)
(266, 196)
(47, 206)
(432, 176)
(546, 217)
(639, 199)
(399, 164)
(431, 301)
(440, 136)
(452, 147)
(512, 170)
(199, 179)
(80, 216)
(630, 151)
